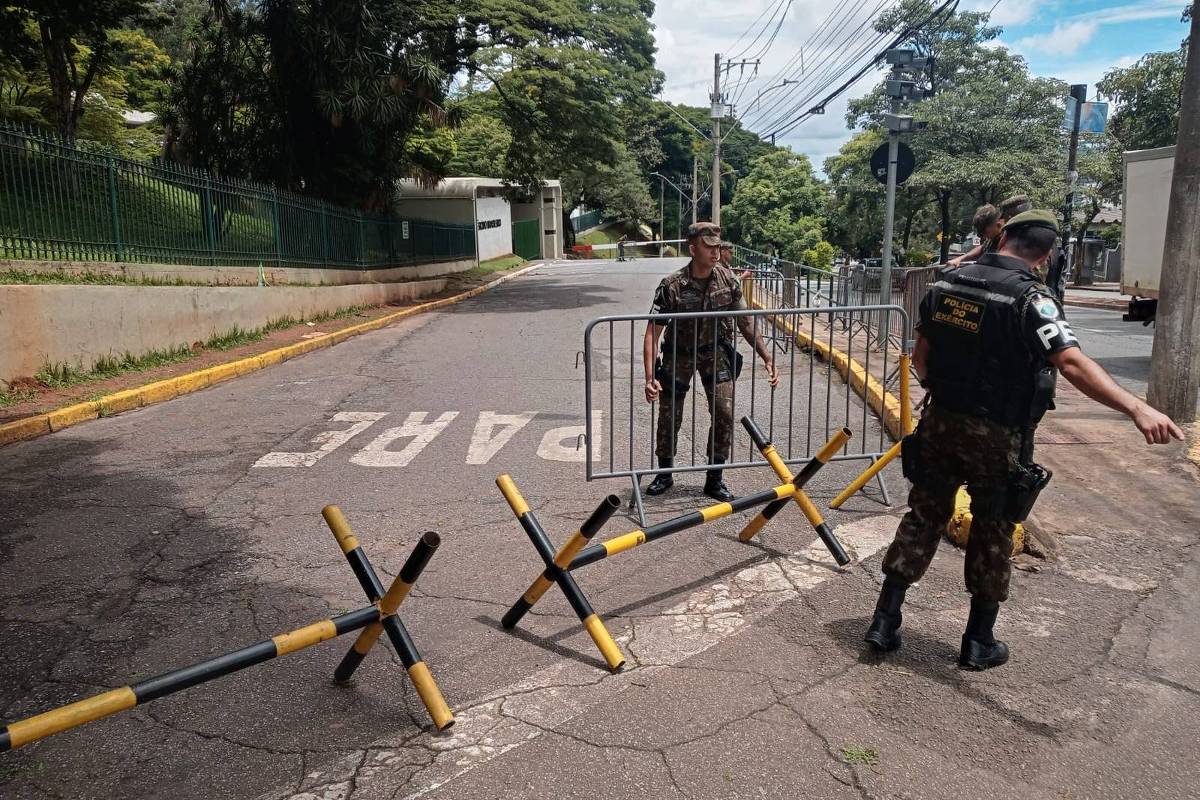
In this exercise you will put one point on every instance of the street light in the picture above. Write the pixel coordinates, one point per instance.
(758, 96)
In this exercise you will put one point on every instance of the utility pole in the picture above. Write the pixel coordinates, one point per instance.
(662, 229)
(1175, 360)
(695, 186)
(1058, 270)
(718, 111)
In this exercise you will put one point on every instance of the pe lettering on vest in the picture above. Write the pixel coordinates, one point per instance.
(1055, 335)
(959, 312)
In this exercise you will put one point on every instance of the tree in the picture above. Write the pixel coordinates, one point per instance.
(76, 45)
(778, 205)
(182, 20)
(992, 128)
(1147, 95)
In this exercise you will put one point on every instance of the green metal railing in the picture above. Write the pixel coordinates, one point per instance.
(526, 238)
(60, 203)
(588, 219)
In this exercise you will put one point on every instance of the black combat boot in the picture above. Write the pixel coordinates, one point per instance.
(980, 650)
(663, 481)
(884, 633)
(714, 486)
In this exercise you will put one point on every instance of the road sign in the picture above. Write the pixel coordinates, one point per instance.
(905, 163)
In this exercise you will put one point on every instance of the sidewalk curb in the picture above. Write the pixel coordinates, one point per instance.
(170, 388)
(1099, 304)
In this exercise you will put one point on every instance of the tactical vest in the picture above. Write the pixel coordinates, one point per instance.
(978, 362)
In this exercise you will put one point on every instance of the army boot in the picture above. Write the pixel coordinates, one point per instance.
(884, 633)
(663, 481)
(714, 486)
(980, 650)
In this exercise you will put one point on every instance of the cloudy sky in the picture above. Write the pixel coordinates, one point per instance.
(1075, 40)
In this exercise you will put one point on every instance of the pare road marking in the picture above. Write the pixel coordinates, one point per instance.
(493, 430)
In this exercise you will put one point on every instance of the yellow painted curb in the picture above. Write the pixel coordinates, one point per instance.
(865, 385)
(159, 391)
(28, 428)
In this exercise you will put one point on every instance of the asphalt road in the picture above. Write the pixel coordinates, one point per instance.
(1122, 348)
(138, 543)
(192, 527)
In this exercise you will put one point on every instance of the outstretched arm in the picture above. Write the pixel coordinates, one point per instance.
(750, 333)
(649, 346)
(1090, 378)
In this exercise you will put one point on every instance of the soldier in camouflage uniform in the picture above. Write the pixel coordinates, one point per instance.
(704, 346)
(989, 341)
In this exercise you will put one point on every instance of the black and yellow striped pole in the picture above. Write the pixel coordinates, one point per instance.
(827, 451)
(905, 428)
(389, 602)
(626, 541)
(583, 609)
(562, 559)
(72, 715)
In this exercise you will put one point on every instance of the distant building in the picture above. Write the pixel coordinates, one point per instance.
(530, 227)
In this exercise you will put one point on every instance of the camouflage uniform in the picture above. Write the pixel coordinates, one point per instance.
(691, 346)
(958, 449)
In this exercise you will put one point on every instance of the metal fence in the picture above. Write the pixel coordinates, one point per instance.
(588, 219)
(62, 203)
(823, 375)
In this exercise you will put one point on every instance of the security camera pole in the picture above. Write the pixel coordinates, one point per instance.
(900, 89)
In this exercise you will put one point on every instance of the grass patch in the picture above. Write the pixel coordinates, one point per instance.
(17, 276)
(867, 756)
(66, 376)
(10, 397)
(494, 265)
(608, 235)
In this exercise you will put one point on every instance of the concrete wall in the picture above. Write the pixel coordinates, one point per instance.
(242, 276)
(497, 241)
(79, 324)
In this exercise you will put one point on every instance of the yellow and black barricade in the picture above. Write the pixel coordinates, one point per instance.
(578, 553)
(380, 615)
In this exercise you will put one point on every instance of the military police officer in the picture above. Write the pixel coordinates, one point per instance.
(705, 346)
(990, 339)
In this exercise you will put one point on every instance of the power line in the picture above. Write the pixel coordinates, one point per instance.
(773, 7)
(822, 40)
(946, 10)
(850, 40)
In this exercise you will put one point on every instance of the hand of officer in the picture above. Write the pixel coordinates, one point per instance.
(653, 387)
(772, 373)
(1155, 426)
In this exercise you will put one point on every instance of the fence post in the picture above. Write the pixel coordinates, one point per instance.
(278, 229)
(362, 243)
(324, 233)
(210, 222)
(116, 208)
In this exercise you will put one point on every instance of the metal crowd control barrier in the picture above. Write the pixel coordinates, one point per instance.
(577, 552)
(823, 378)
(372, 620)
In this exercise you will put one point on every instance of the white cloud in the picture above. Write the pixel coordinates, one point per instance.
(1064, 39)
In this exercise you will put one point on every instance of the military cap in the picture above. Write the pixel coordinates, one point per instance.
(1038, 218)
(709, 232)
(726, 245)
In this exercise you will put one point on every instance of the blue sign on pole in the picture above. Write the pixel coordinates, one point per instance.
(1093, 117)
